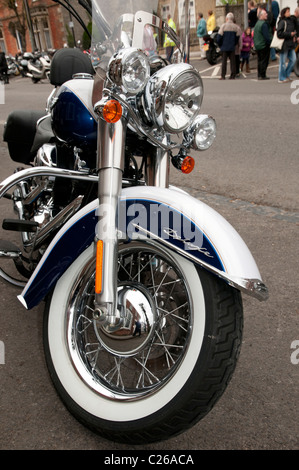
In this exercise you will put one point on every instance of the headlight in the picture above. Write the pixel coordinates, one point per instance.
(203, 130)
(174, 96)
(129, 68)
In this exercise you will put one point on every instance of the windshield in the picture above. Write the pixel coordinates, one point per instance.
(150, 25)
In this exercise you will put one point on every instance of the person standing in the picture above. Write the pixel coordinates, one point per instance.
(201, 32)
(227, 38)
(275, 12)
(3, 67)
(168, 43)
(262, 39)
(296, 21)
(247, 45)
(252, 14)
(211, 21)
(286, 29)
(238, 50)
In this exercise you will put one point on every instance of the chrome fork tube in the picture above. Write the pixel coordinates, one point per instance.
(111, 145)
(157, 169)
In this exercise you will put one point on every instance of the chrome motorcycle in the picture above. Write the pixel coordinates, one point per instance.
(142, 282)
(35, 66)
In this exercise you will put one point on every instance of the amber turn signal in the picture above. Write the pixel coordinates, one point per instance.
(99, 267)
(187, 165)
(112, 111)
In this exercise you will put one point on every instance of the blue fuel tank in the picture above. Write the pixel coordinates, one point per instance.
(73, 118)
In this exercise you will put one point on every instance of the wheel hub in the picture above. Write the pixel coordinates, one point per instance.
(136, 323)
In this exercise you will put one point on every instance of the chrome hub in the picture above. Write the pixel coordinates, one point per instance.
(133, 328)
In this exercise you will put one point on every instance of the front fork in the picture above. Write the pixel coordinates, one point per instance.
(111, 157)
(111, 149)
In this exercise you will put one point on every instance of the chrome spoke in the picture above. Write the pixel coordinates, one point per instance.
(119, 361)
(115, 372)
(145, 371)
(84, 321)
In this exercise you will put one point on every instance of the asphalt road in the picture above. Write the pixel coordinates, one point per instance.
(250, 176)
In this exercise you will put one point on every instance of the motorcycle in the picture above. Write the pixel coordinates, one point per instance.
(142, 283)
(35, 66)
(211, 47)
(13, 68)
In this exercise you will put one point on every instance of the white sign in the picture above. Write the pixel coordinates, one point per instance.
(191, 12)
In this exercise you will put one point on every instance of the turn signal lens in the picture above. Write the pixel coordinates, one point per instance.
(187, 165)
(99, 266)
(112, 111)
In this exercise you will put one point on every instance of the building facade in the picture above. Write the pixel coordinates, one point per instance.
(52, 26)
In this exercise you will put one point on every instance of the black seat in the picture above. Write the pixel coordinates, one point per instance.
(43, 135)
(66, 62)
(19, 133)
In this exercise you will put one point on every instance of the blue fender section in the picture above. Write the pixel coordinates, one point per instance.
(66, 248)
(168, 226)
(151, 219)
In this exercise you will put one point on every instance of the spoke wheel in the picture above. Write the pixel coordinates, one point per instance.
(175, 342)
(125, 363)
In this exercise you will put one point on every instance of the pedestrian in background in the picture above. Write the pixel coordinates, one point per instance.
(168, 43)
(262, 40)
(211, 21)
(228, 38)
(252, 14)
(247, 45)
(286, 29)
(3, 68)
(296, 21)
(201, 32)
(238, 50)
(275, 13)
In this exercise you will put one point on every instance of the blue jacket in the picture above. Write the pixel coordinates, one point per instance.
(228, 36)
(201, 28)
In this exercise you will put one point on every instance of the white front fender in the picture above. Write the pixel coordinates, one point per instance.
(216, 245)
(170, 216)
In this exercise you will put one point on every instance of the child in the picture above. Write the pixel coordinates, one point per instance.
(247, 45)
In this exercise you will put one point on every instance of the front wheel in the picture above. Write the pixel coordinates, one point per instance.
(140, 385)
(212, 55)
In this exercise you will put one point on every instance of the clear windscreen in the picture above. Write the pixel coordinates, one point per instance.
(145, 24)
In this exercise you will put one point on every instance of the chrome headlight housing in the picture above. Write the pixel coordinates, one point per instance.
(173, 97)
(202, 132)
(130, 69)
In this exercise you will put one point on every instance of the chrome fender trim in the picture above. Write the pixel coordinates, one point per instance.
(218, 247)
